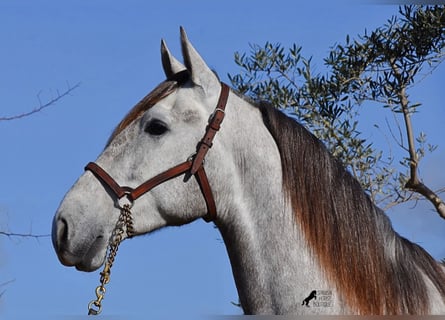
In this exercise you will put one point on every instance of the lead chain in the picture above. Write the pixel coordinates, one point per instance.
(123, 225)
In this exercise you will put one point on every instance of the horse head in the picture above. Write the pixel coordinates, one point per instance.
(161, 131)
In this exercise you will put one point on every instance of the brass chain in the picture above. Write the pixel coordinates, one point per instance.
(123, 225)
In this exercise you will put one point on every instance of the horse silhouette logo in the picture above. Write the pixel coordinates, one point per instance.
(306, 301)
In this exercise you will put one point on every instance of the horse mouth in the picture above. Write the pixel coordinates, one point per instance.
(91, 260)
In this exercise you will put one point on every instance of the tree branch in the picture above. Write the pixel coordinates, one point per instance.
(419, 187)
(414, 182)
(23, 235)
(43, 106)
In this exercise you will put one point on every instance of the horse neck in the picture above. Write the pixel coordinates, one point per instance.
(277, 262)
(272, 266)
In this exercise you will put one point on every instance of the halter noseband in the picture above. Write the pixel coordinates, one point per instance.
(193, 166)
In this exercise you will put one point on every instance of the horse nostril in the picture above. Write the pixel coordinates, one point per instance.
(60, 233)
(62, 236)
(62, 230)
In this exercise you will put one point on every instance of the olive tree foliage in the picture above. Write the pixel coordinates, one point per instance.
(378, 67)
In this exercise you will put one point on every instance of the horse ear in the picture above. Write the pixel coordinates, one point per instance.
(200, 73)
(169, 63)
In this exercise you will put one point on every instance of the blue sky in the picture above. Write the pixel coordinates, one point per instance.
(112, 49)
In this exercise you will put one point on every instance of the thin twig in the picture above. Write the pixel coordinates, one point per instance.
(42, 106)
(5, 284)
(398, 140)
(23, 235)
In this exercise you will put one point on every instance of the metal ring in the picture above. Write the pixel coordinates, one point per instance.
(191, 157)
(92, 311)
(120, 203)
(212, 115)
(219, 109)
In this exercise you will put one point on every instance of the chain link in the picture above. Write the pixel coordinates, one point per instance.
(123, 225)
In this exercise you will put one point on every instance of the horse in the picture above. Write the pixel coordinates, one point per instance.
(292, 218)
(311, 296)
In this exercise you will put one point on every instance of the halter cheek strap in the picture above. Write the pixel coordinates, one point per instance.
(193, 166)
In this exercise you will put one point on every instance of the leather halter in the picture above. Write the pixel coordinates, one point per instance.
(192, 166)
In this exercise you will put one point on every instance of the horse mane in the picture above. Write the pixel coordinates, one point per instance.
(375, 270)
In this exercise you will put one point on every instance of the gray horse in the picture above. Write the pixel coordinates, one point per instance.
(292, 218)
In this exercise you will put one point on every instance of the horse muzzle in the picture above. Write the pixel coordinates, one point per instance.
(83, 254)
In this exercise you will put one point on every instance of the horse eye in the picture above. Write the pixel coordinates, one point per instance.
(156, 128)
